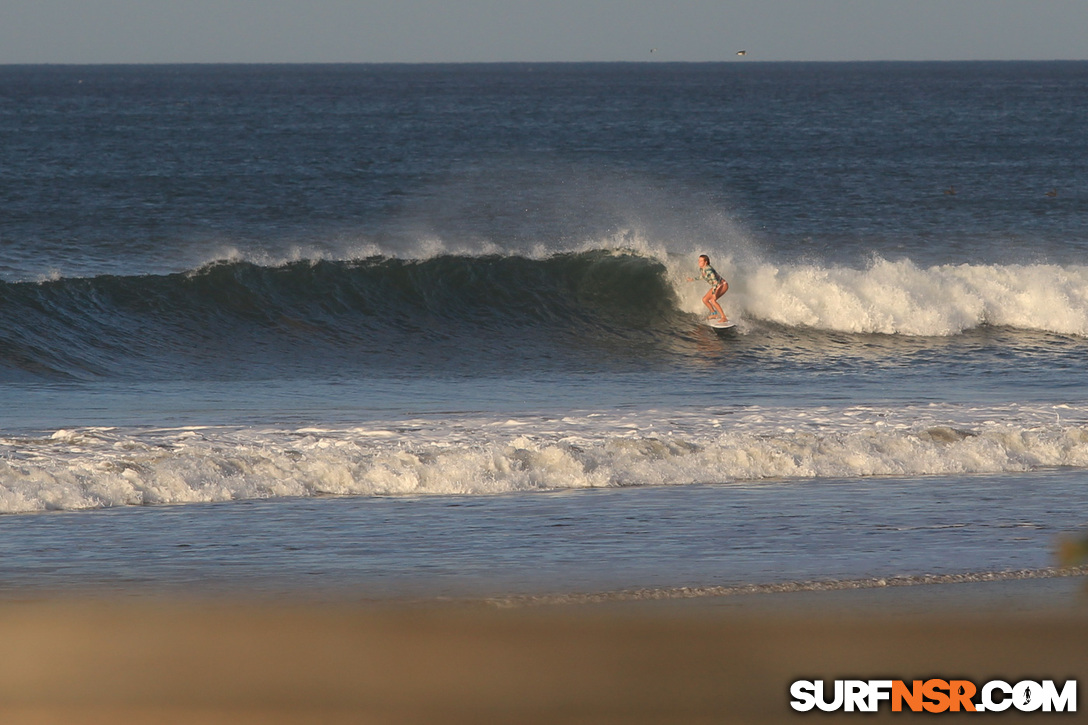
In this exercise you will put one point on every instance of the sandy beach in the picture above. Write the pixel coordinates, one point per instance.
(706, 659)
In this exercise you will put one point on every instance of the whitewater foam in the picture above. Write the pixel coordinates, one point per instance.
(101, 467)
(903, 298)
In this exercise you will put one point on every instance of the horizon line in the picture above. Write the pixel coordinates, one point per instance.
(523, 62)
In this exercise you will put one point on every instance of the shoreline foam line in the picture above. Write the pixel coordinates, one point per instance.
(825, 585)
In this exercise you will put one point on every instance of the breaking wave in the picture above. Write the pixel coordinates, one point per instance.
(239, 315)
(900, 297)
(103, 467)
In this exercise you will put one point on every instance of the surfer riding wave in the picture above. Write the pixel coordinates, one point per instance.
(718, 287)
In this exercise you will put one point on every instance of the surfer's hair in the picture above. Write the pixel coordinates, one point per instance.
(703, 256)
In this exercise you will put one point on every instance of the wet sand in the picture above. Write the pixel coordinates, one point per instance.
(700, 660)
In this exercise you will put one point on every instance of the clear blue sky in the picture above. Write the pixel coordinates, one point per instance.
(259, 31)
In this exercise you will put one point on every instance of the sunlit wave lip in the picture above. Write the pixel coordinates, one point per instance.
(95, 467)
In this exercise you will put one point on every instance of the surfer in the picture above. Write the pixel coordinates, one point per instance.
(718, 287)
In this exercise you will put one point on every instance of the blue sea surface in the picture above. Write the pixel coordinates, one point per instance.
(637, 543)
(371, 326)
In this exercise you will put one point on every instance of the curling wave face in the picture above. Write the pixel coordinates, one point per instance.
(102, 467)
(231, 315)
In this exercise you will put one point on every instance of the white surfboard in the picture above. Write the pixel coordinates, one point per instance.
(719, 325)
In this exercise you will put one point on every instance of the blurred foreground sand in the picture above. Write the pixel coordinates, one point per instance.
(142, 660)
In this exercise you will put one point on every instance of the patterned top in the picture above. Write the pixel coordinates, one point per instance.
(712, 277)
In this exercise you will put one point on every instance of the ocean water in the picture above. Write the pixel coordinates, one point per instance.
(428, 330)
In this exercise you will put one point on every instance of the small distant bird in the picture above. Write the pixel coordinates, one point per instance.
(1052, 193)
(653, 50)
(951, 191)
(742, 52)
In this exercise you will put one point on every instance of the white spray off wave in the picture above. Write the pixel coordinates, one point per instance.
(900, 297)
